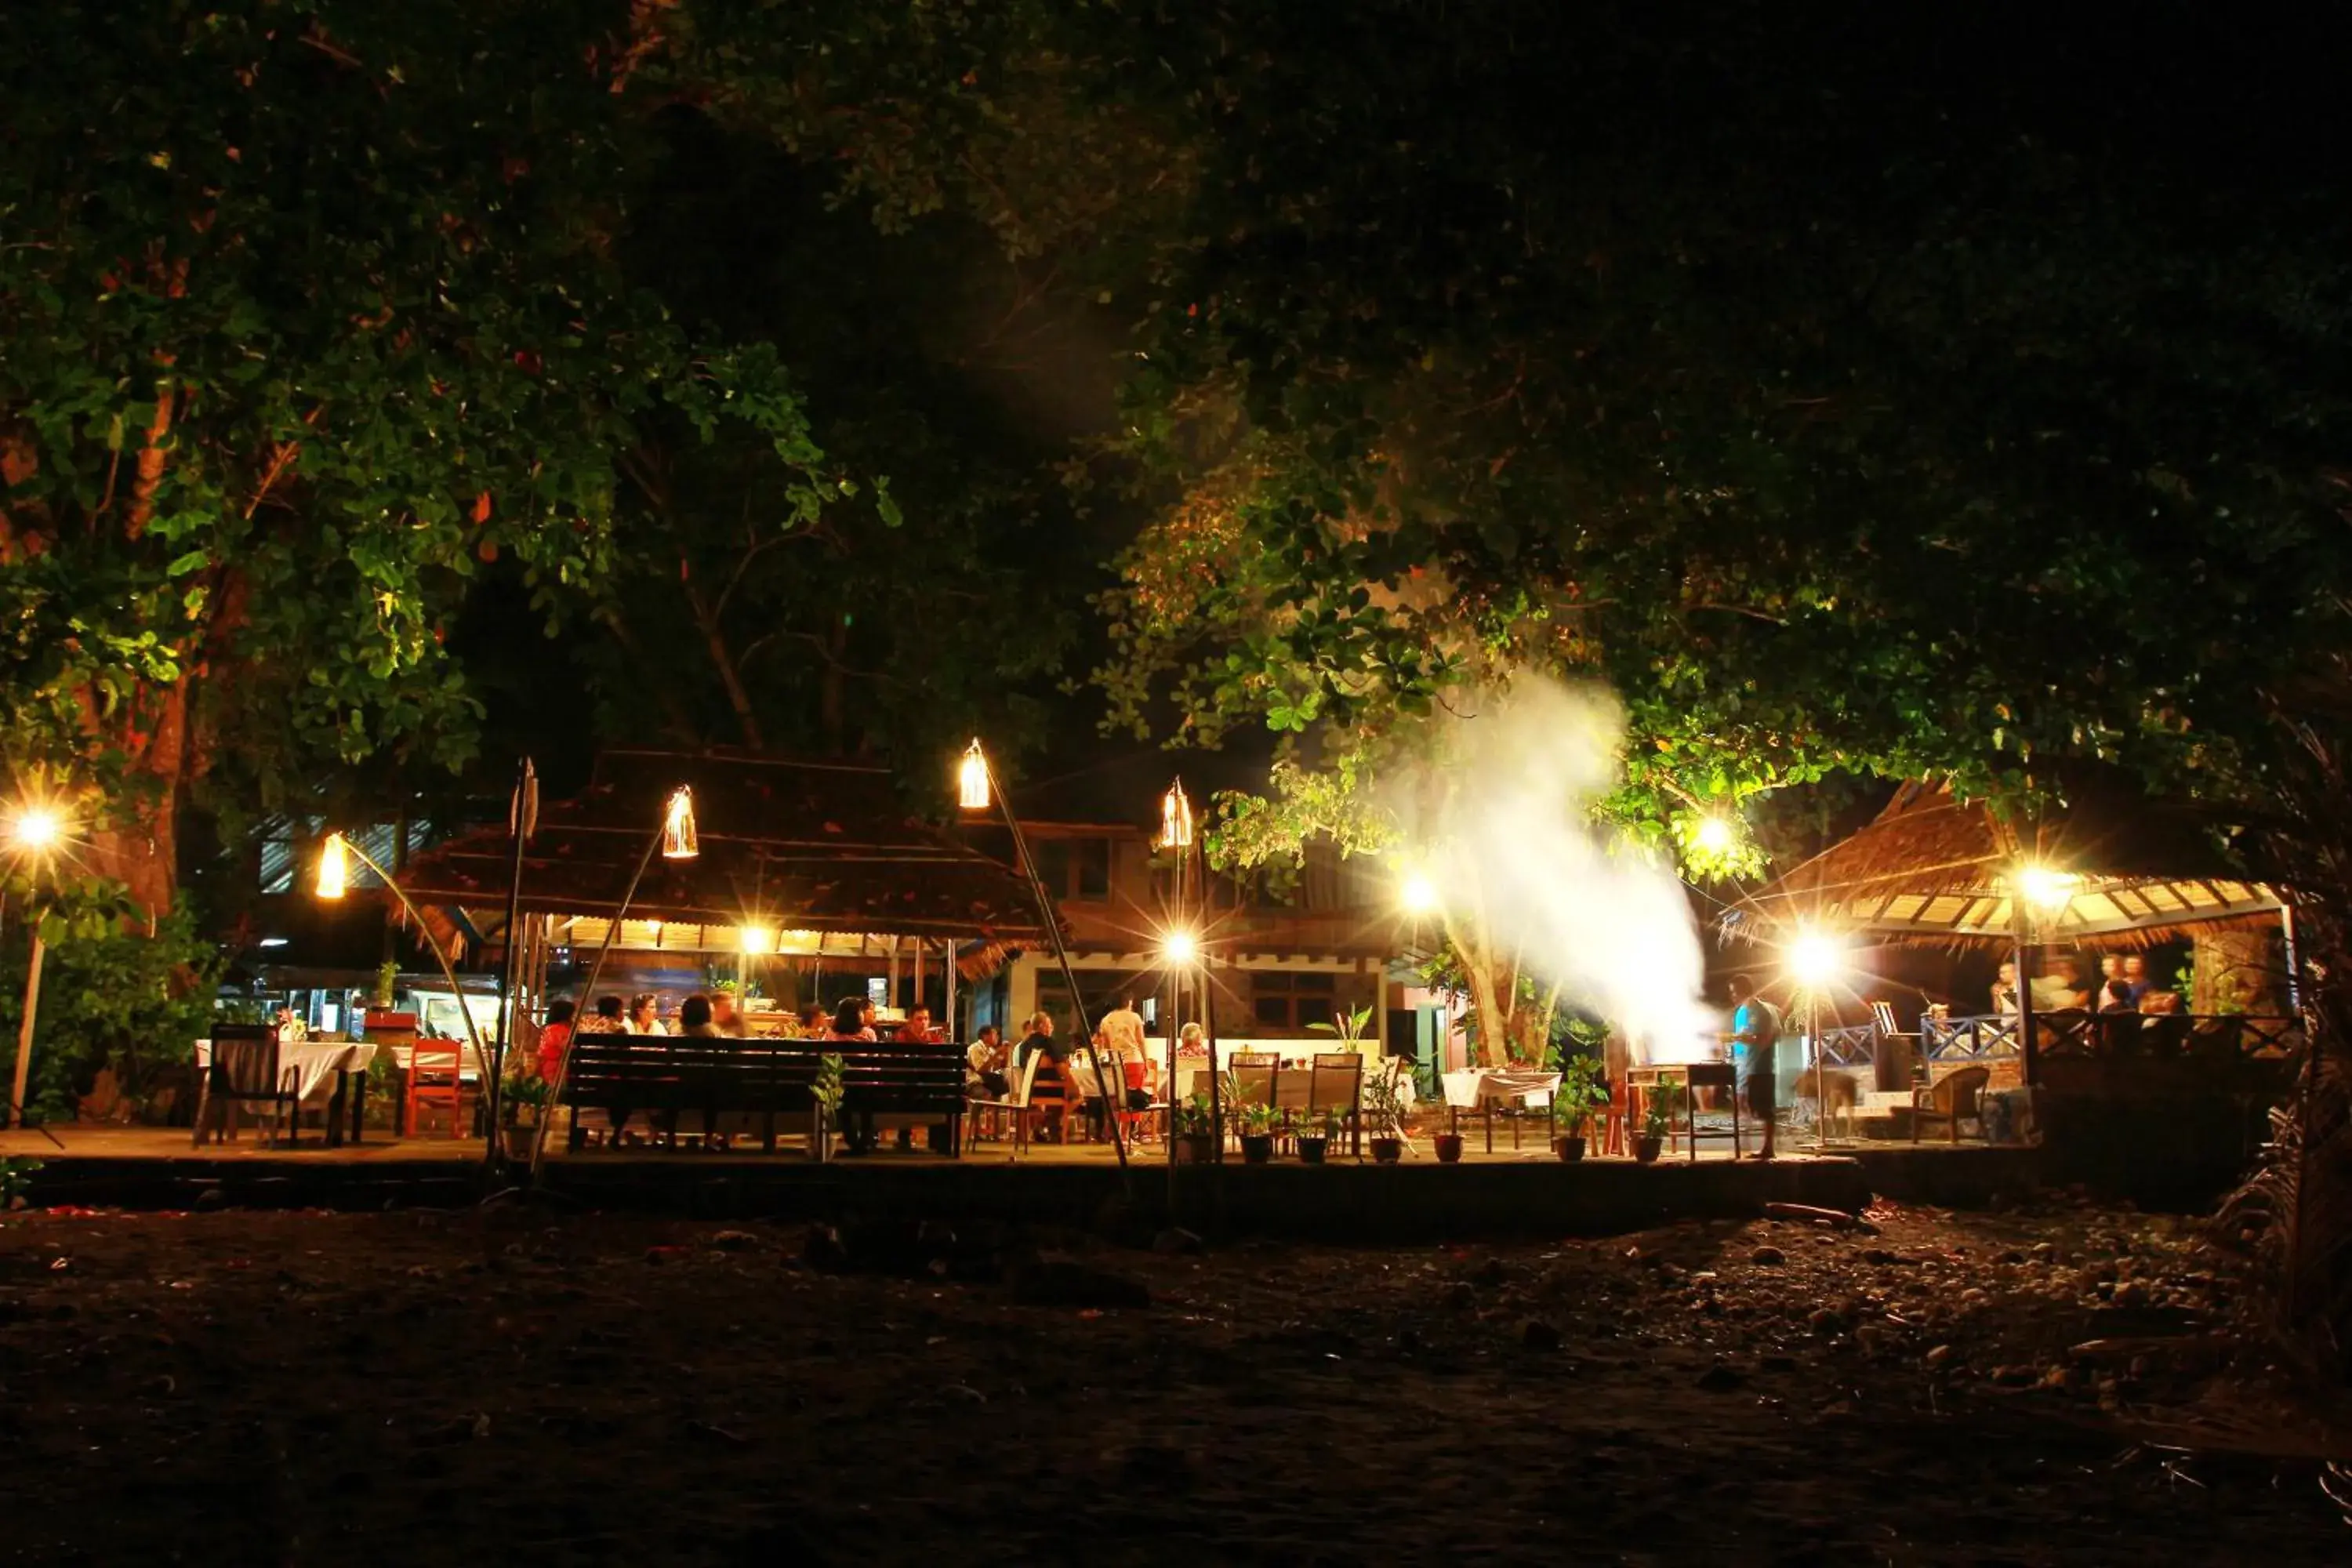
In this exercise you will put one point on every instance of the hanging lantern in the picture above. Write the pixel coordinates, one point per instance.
(1175, 818)
(679, 840)
(971, 780)
(334, 867)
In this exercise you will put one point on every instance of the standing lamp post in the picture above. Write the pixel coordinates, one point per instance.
(975, 786)
(677, 838)
(522, 821)
(33, 834)
(1182, 952)
(2034, 888)
(333, 882)
(1815, 960)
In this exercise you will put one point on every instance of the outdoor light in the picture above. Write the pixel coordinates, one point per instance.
(971, 780)
(1715, 834)
(1418, 894)
(334, 867)
(679, 840)
(2046, 890)
(1814, 960)
(755, 940)
(1180, 947)
(34, 830)
(1175, 818)
(273, 942)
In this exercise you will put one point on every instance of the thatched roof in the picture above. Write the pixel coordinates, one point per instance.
(793, 844)
(1934, 868)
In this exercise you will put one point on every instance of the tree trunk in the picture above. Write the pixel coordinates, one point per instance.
(137, 842)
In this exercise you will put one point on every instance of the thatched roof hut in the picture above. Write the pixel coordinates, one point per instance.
(1932, 868)
(813, 851)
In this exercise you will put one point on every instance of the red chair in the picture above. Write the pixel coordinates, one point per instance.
(434, 1087)
(1136, 1125)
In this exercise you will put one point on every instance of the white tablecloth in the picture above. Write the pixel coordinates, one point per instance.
(1473, 1087)
(312, 1064)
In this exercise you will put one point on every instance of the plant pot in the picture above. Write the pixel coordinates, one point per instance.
(1257, 1148)
(1646, 1148)
(1449, 1148)
(1196, 1148)
(1571, 1149)
(1387, 1150)
(1310, 1149)
(518, 1140)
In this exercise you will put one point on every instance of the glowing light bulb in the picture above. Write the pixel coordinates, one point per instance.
(755, 940)
(2045, 889)
(334, 867)
(1180, 947)
(1715, 834)
(1418, 894)
(36, 830)
(1815, 959)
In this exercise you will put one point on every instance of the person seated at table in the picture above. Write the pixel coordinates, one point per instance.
(2111, 969)
(643, 1019)
(724, 1018)
(554, 1035)
(1049, 1089)
(606, 1020)
(2115, 997)
(2136, 976)
(917, 1030)
(694, 1019)
(986, 1057)
(852, 1019)
(1192, 1040)
(814, 1021)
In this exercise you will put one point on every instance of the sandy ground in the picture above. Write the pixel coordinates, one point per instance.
(516, 1386)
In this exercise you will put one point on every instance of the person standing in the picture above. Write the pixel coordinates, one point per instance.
(1756, 1041)
(1122, 1031)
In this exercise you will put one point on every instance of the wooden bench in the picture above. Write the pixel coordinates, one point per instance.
(921, 1084)
(662, 1076)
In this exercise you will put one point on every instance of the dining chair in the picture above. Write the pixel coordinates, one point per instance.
(1016, 1104)
(436, 1085)
(244, 1065)
(1335, 1081)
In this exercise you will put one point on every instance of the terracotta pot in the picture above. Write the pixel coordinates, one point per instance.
(1387, 1150)
(1449, 1148)
(1310, 1151)
(518, 1140)
(1570, 1150)
(1196, 1148)
(1257, 1148)
(1646, 1148)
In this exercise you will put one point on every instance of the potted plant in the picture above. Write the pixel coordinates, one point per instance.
(1449, 1148)
(1583, 1090)
(387, 984)
(525, 1098)
(827, 1091)
(1257, 1123)
(1657, 1120)
(1384, 1109)
(1315, 1137)
(1196, 1131)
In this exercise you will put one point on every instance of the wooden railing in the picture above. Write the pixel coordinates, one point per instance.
(2226, 1036)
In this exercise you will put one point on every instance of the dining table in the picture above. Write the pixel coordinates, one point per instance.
(1483, 1088)
(306, 1066)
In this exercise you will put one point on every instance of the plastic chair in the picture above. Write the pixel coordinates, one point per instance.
(434, 1084)
(244, 1066)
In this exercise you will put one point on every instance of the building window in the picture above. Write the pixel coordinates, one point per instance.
(1293, 999)
(1077, 869)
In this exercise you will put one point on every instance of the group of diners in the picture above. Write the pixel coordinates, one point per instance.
(712, 1015)
(1056, 1089)
(2124, 987)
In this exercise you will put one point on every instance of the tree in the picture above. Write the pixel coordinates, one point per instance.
(311, 310)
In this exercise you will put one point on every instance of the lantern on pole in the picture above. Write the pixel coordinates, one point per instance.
(679, 839)
(972, 779)
(1175, 818)
(334, 867)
